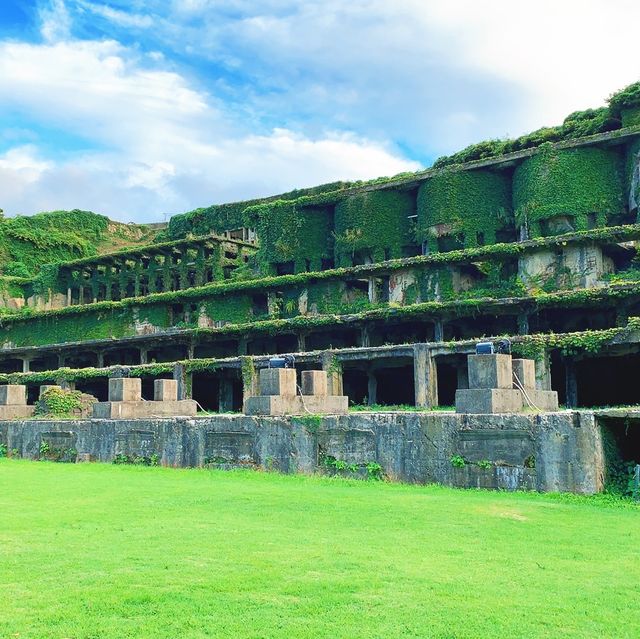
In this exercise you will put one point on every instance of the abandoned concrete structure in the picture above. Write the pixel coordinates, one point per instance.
(386, 286)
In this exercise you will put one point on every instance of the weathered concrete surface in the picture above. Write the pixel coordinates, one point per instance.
(281, 405)
(490, 371)
(555, 451)
(488, 400)
(142, 410)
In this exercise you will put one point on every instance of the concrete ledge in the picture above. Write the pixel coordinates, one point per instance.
(483, 401)
(282, 405)
(546, 401)
(141, 410)
(16, 411)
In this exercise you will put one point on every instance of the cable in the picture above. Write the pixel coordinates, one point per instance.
(302, 398)
(520, 386)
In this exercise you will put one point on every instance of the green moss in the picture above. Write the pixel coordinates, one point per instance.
(373, 226)
(625, 102)
(229, 309)
(291, 233)
(575, 183)
(224, 217)
(474, 204)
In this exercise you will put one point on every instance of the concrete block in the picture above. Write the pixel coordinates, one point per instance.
(278, 381)
(314, 383)
(525, 369)
(488, 400)
(278, 405)
(125, 389)
(490, 371)
(16, 411)
(165, 390)
(13, 395)
(545, 401)
(143, 410)
(45, 387)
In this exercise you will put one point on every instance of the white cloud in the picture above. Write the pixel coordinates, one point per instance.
(167, 145)
(55, 21)
(120, 18)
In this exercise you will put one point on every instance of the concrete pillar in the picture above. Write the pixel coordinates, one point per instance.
(571, 383)
(69, 296)
(144, 356)
(242, 346)
(462, 373)
(425, 377)
(302, 342)
(333, 368)
(438, 331)
(523, 324)
(372, 387)
(61, 360)
(225, 395)
(25, 364)
(543, 372)
(365, 338)
(180, 375)
(372, 292)
(100, 357)
(190, 349)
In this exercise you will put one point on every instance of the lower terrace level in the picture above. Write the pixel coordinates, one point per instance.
(589, 369)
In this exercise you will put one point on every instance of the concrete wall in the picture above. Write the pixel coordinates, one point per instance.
(411, 447)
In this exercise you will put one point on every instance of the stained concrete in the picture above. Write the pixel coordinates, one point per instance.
(564, 448)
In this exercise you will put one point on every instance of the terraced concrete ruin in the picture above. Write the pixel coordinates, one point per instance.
(387, 286)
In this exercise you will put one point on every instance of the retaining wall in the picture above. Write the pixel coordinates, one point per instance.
(547, 452)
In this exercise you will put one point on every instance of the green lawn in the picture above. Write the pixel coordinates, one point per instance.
(115, 551)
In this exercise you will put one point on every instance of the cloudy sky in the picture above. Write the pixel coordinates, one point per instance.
(140, 109)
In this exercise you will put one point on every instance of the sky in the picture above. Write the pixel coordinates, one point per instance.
(141, 109)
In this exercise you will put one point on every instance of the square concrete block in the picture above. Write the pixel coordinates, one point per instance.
(165, 390)
(486, 401)
(125, 389)
(490, 371)
(314, 383)
(545, 401)
(278, 381)
(277, 405)
(525, 369)
(13, 395)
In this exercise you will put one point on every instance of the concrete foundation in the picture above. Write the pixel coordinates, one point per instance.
(550, 452)
(488, 400)
(142, 410)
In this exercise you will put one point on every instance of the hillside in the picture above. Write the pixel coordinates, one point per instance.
(28, 242)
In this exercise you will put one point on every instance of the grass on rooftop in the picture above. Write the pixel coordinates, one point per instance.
(105, 551)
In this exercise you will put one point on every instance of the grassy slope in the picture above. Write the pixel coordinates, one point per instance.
(108, 551)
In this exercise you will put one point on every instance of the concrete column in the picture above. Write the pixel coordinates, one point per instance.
(365, 338)
(190, 349)
(373, 293)
(438, 331)
(333, 368)
(144, 356)
(523, 324)
(25, 364)
(61, 360)
(302, 342)
(69, 296)
(462, 373)
(81, 293)
(180, 375)
(372, 387)
(100, 362)
(425, 377)
(571, 383)
(225, 395)
(543, 372)
(242, 346)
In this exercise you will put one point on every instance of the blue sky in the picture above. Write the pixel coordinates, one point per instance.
(146, 108)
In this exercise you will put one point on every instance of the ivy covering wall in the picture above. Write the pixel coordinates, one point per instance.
(225, 217)
(475, 204)
(291, 233)
(375, 223)
(573, 182)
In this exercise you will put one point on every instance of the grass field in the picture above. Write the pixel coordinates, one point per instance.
(114, 551)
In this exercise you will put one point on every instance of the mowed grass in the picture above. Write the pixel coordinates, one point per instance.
(114, 551)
